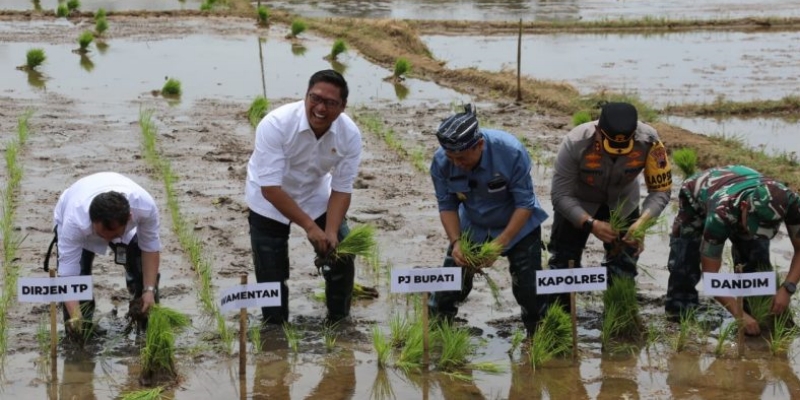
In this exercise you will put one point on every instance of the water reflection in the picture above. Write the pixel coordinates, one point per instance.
(77, 376)
(338, 379)
(298, 49)
(619, 377)
(558, 380)
(338, 66)
(458, 389)
(382, 386)
(37, 6)
(401, 91)
(102, 46)
(36, 79)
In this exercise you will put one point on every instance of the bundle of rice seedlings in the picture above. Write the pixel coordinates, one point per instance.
(62, 10)
(400, 330)
(783, 333)
(382, 346)
(292, 336)
(172, 87)
(263, 15)
(553, 337)
(516, 340)
(145, 394)
(298, 26)
(339, 47)
(411, 353)
(100, 14)
(686, 160)
(401, 67)
(84, 40)
(621, 320)
(456, 346)
(100, 26)
(760, 308)
(581, 117)
(644, 228)
(34, 58)
(158, 354)
(359, 242)
(73, 4)
(725, 333)
(478, 256)
(257, 111)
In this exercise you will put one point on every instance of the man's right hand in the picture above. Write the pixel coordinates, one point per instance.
(751, 327)
(603, 231)
(319, 240)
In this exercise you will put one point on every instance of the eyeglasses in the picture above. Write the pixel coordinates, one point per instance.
(321, 100)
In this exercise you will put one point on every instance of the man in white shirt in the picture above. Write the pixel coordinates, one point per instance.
(302, 171)
(100, 211)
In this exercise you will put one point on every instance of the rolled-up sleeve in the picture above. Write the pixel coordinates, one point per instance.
(268, 157)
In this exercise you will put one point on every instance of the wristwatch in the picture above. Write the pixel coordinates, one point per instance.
(588, 224)
(149, 289)
(790, 287)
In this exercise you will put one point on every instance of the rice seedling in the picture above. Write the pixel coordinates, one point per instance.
(34, 58)
(145, 394)
(292, 335)
(621, 312)
(383, 347)
(420, 160)
(616, 219)
(100, 26)
(487, 366)
(399, 330)
(100, 14)
(61, 10)
(653, 335)
(725, 333)
(455, 346)
(645, 228)
(581, 117)
(73, 5)
(172, 88)
(158, 354)
(263, 15)
(84, 40)
(553, 337)
(257, 111)
(359, 242)
(401, 68)
(686, 160)
(329, 336)
(783, 333)
(298, 26)
(37, 5)
(479, 255)
(516, 340)
(411, 352)
(339, 47)
(206, 5)
(685, 325)
(759, 307)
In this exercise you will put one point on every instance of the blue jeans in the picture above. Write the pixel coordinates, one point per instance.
(270, 242)
(524, 258)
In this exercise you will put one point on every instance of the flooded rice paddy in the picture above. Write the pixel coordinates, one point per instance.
(86, 120)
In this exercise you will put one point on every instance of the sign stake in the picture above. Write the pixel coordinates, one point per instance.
(425, 329)
(740, 318)
(573, 313)
(243, 336)
(53, 339)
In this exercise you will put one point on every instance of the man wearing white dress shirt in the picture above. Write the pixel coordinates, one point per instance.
(302, 171)
(97, 212)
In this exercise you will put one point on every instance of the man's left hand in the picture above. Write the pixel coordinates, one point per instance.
(148, 300)
(780, 302)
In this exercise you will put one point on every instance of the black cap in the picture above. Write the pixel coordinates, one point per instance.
(460, 131)
(617, 124)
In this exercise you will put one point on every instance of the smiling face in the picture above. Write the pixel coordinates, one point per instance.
(323, 103)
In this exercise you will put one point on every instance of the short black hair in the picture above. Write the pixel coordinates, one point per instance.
(111, 209)
(332, 77)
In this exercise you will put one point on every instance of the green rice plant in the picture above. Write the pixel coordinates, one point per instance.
(34, 58)
(43, 335)
(73, 5)
(516, 340)
(617, 220)
(400, 330)
(645, 228)
(401, 68)
(759, 307)
(263, 15)
(411, 352)
(172, 88)
(145, 394)
(100, 14)
(553, 337)
(37, 5)
(359, 242)
(383, 347)
(329, 336)
(783, 333)
(298, 26)
(478, 255)
(158, 354)
(339, 47)
(420, 160)
(456, 346)
(292, 336)
(62, 11)
(685, 327)
(653, 335)
(257, 111)
(100, 26)
(725, 333)
(84, 40)
(581, 117)
(487, 366)
(686, 160)
(621, 320)
(206, 5)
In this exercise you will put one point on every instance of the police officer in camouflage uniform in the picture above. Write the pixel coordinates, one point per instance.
(733, 203)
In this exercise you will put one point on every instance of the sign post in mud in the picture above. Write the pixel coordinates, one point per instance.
(52, 290)
(739, 285)
(570, 281)
(425, 280)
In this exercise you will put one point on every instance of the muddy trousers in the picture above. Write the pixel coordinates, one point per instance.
(685, 272)
(134, 277)
(524, 259)
(567, 243)
(270, 242)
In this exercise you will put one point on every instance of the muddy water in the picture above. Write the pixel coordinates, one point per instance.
(775, 136)
(109, 5)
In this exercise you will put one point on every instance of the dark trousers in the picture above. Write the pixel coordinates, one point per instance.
(524, 259)
(134, 277)
(567, 243)
(685, 272)
(270, 242)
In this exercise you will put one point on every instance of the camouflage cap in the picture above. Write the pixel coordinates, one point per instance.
(767, 205)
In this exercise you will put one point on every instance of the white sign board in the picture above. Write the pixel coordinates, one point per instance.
(739, 285)
(426, 280)
(45, 290)
(266, 294)
(571, 280)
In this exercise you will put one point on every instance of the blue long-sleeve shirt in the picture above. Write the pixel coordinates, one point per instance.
(487, 196)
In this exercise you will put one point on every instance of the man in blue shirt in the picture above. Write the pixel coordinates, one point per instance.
(484, 190)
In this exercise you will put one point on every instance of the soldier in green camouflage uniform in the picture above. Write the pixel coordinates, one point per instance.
(733, 203)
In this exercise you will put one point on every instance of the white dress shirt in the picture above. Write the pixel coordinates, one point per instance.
(74, 227)
(288, 154)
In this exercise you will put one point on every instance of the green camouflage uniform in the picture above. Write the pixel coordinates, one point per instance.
(710, 214)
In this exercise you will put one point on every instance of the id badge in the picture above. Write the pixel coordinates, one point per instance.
(121, 253)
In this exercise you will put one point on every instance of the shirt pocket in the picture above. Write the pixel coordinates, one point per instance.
(328, 160)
